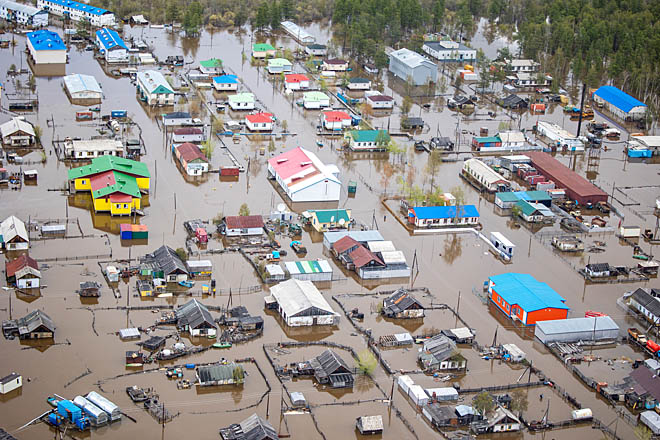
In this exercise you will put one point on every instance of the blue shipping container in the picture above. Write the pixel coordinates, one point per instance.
(118, 113)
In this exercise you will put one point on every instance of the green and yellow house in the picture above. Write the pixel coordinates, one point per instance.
(116, 183)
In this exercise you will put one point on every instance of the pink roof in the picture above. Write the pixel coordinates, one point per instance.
(295, 77)
(380, 98)
(335, 116)
(291, 162)
(187, 130)
(260, 118)
(189, 152)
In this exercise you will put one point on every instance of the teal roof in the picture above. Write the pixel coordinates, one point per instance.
(526, 208)
(487, 139)
(525, 291)
(370, 135)
(262, 47)
(325, 215)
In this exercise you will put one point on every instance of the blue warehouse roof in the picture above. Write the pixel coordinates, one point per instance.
(80, 7)
(527, 292)
(431, 212)
(110, 39)
(226, 79)
(46, 40)
(618, 98)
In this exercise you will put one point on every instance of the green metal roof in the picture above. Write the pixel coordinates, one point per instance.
(370, 136)
(242, 97)
(314, 96)
(213, 62)
(124, 184)
(538, 195)
(525, 207)
(508, 196)
(325, 215)
(262, 47)
(275, 62)
(110, 163)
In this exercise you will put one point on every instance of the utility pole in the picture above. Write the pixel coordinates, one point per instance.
(531, 366)
(459, 303)
(392, 392)
(584, 89)
(267, 405)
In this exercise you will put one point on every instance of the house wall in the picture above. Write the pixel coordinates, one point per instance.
(546, 315)
(263, 54)
(202, 332)
(28, 283)
(323, 191)
(643, 310)
(224, 86)
(103, 204)
(143, 182)
(316, 104)
(243, 232)
(383, 273)
(411, 314)
(11, 386)
(335, 67)
(381, 104)
(505, 427)
(47, 56)
(82, 184)
(259, 126)
(18, 140)
(116, 55)
(358, 86)
(241, 105)
(38, 335)
(77, 15)
(188, 138)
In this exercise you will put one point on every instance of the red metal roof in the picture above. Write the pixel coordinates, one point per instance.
(260, 118)
(291, 162)
(102, 180)
(363, 256)
(577, 187)
(244, 221)
(380, 98)
(120, 198)
(335, 116)
(188, 130)
(295, 78)
(343, 244)
(11, 267)
(189, 152)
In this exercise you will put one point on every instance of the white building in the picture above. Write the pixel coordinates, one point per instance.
(301, 304)
(17, 132)
(411, 66)
(315, 100)
(154, 89)
(88, 149)
(243, 225)
(319, 50)
(577, 329)
(225, 83)
(111, 45)
(241, 101)
(13, 235)
(485, 176)
(46, 47)
(296, 81)
(378, 101)
(315, 270)
(81, 87)
(301, 35)
(558, 136)
(26, 15)
(335, 65)
(304, 178)
(620, 103)
(358, 84)
(526, 79)
(259, 122)
(447, 50)
(522, 66)
(336, 120)
(279, 65)
(10, 382)
(78, 11)
(188, 134)
(511, 139)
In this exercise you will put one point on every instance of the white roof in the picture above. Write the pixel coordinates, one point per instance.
(95, 145)
(552, 127)
(199, 263)
(488, 174)
(502, 239)
(127, 333)
(462, 333)
(649, 141)
(393, 257)
(81, 83)
(297, 31)
(518, 158)
(577, 325)
(511, 136)
(521, 63)
(513, 350)
(152, 79)
(295, 296)
(18, 7)
(380, 246)
(16, 124)
(299, 267)
(444, 391)
(410, 58)
(13, 227)
(274, 269)
(418, 392)
(360, 236)
(403, 337)
(405, 379)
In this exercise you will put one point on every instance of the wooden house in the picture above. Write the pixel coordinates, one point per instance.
(402, 305)
(23, 272)
(331, 369)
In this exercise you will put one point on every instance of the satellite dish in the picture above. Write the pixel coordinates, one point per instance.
(281, 207)
(342, 221)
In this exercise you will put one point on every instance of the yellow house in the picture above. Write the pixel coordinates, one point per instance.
(324, 220)
(116, 183)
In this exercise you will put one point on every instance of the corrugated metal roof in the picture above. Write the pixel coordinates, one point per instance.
(295, 296)
(18, 7)
(110, 39)
(618, 98)
(564, 176)
(432, 212)
(577, 325)
(359, 236)
(81, 7)
(525, 291)
(46, 40)
(81, 83)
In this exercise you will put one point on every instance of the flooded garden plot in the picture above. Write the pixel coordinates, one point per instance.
(338, 421)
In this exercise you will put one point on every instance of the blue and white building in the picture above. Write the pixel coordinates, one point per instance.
(153, 88)
(620, 104)
(111, 45)
(77, 11)
(225, 83)
(411, 66)
(26, 15)
(83, 88)
(46, 47)
(439, 216)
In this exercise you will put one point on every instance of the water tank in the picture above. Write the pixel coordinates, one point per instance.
(581, 414)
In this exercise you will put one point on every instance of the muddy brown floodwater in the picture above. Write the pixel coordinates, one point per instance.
(448, 266)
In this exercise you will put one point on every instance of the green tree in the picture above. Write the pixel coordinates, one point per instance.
(238, 374)
(438, 12)
(192, 19)
(207, 148)
(172, 12)
(484, 403)
(516, 211)
(82, 28)
(271, 146)
(181, 253)
(263, 16)
(38, 132)
(275, 15)
(366, 362)
(244, 210)
(432, 165)
(519, 401)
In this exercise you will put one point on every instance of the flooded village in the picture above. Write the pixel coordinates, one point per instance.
(253, 235)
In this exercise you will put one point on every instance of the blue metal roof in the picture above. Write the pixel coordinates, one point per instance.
(618, 98)
(80, 7)
(524, 290)
(46, 40)
(226, 79)
(430, 212)
(110, 39)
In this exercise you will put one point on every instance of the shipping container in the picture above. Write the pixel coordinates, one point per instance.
(229, 171)
(118, 113)
(126, 231)
(140, 232)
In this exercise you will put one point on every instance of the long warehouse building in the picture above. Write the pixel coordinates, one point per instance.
(577, 187)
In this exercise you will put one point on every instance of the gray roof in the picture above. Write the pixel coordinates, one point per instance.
(34, 320)
(435, 45)
(646, 300)
(330, 362)
(9, 378)
(194, 314)
(167, 260)
(440, 347)
(400, 301)
(18, 7)
(500, 414)
(81, 83)
(359, 236)
(576, 325)
(464, 410)
(440, 413)
(215, 373)
(256, 428)
(410, 58)
(129, 333)
(371, 423)
(297, 297)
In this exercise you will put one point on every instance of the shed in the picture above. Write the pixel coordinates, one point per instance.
(439, 353)
(203, 268)
(404, 382)
(652, 420)
(439, 415)
(329, 238)
(597, 328)
(243, 225)
(97, 416)
(461, 335)
(370, 425)
(17, 132)
(23, 272)
(225, 374)
(275, 272)
(442, 394)
(10, 383)
(129, 333)
(298, 399)
(502, 243)
(330, 368)
(252, 428)
(153, 343)
(35, 325)
(195, 318)
(401, 304)
(629, 231)
(13, 234)
(418, 395)
(514, 353)
(315, 270)
(106, 405)
(300, 303)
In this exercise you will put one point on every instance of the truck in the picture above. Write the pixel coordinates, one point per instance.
(652, 347)
(637, 336)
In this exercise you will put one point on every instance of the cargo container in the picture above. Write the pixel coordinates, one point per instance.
(404, 383)
(126, 231)
(140, 232)
(118, 113)
(229, 171)
(96, 415)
